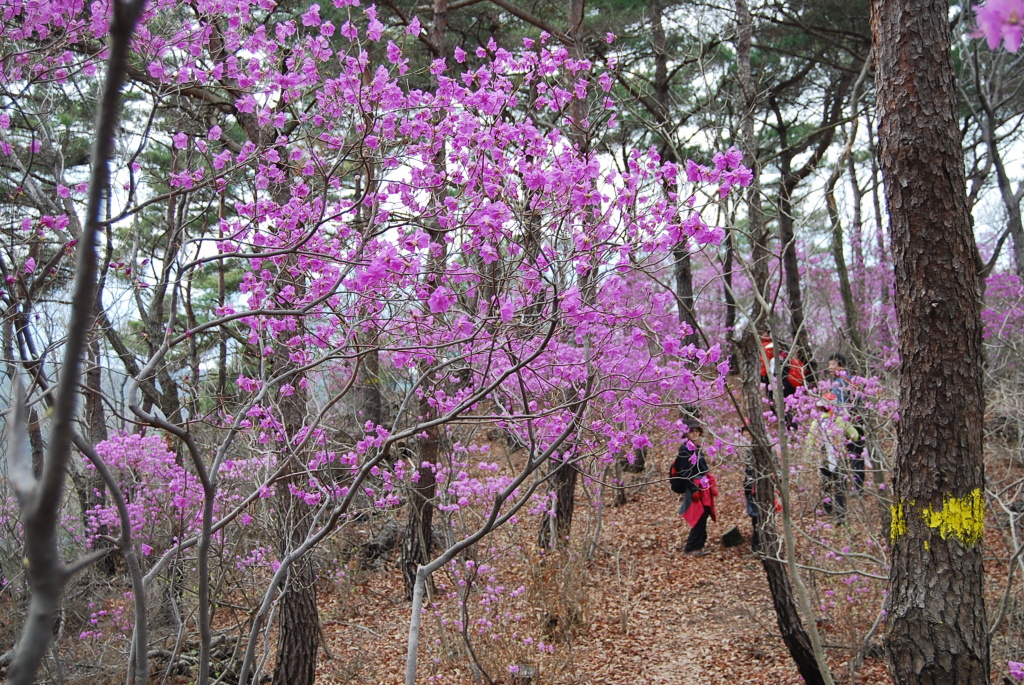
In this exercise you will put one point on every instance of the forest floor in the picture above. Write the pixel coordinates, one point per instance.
(697, 620)
(650, 614)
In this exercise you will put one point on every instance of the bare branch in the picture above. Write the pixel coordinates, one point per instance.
(530, 19)
(20, 453)
(46, 572)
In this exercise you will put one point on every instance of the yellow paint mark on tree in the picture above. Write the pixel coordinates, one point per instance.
(927, 546)
(961, 517)
(899, 520)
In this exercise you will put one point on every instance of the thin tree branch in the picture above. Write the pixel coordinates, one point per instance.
(46, 571)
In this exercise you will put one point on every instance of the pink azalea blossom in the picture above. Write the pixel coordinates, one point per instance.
(440, 300)
(312, 17)
(1001, 21)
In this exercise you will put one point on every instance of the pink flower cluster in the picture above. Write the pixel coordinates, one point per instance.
(158, 491)
(1001, 21)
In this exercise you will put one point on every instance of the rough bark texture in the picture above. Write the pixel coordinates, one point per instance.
(419, 535)
(299, 635)
(563, 480)
(936, 615)
(299, 638)
(556, 529)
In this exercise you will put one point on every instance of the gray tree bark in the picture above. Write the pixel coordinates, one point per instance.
(40, 497)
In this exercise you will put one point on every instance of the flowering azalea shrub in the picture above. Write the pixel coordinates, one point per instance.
(160, 494)
(426, 220)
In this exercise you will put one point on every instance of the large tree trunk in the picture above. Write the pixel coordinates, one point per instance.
(791, 627)
(936, 626)
(418, 525)
(556, 529)
(299, 617)
(299, 638)
(299, 633)
(563, 481)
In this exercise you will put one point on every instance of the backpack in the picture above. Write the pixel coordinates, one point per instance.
(676, 482)
(793, 370)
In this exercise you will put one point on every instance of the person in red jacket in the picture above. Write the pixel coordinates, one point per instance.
(793, 372)
(689, 477)
(767, 365)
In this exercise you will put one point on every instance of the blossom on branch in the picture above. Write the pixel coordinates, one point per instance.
(1001, 21)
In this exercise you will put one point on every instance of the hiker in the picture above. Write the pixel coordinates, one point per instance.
(767, 362)
(749, 477)
(689, 477)
(839, 382)
(792, 373)
(792, 367)
(825, 433)
(848, 406)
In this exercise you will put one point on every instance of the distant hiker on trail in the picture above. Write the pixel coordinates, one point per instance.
(792, 372)
(749, 477)
(792, 367)
(838, 378)
(689, 477)
(749, 488)
(767, 360)
(828, 431)
(848, 406)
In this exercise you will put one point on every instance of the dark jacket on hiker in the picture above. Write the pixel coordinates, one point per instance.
(749, 480)
(688, 474)
(749, 477)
